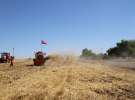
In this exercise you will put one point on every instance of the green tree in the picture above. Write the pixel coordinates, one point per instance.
(87, 53)
(125, 48)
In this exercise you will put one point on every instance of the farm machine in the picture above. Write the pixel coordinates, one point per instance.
(40, 58)
(5, 57)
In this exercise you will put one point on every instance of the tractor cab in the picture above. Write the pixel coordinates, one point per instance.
(5, 57)
(39, 58)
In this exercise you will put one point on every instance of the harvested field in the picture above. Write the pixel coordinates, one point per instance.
(66, 78)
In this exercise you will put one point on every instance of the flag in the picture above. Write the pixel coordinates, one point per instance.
(43, 42)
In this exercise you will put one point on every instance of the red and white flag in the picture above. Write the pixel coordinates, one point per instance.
(43, 42)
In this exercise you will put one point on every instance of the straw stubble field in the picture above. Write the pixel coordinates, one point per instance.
(66, 78)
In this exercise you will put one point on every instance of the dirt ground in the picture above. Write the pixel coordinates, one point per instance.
(66, 78)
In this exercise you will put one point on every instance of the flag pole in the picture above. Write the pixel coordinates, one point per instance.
(41, 46)
(13, 51)
(43, 42)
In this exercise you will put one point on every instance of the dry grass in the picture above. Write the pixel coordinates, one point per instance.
(66, 78)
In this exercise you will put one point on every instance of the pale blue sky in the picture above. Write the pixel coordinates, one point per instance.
(67, 25)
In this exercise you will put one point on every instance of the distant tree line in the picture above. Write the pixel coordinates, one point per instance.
(90, 54)
(125, 48)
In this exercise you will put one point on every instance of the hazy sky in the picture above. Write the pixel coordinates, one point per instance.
(67, 25)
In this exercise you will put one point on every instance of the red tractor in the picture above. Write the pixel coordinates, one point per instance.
(5, 57)
(39, 58)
